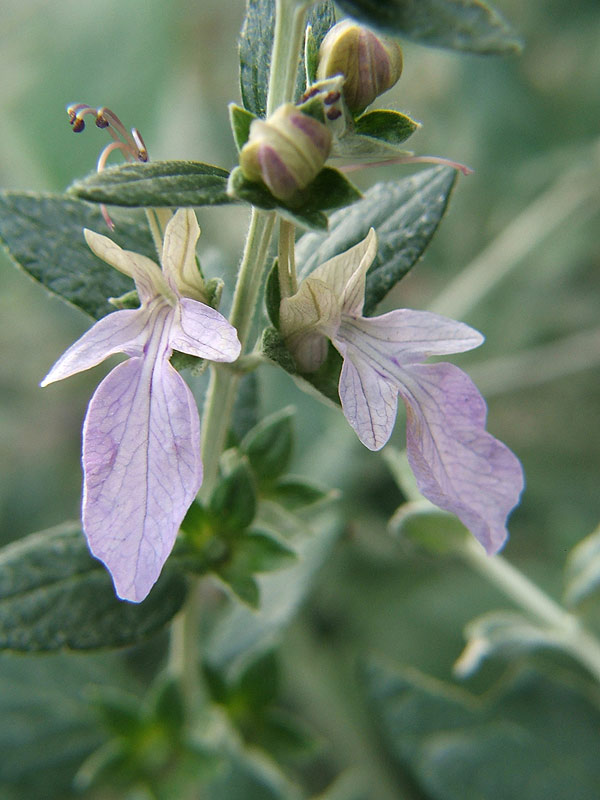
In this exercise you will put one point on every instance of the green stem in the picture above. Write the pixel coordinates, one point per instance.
(286, 261)
(522, 591)
(220, 396)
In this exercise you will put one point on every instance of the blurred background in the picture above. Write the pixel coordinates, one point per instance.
(529, 128)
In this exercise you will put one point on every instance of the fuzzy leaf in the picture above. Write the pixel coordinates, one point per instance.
(297, 493)
(54, 595)
(468, 25)
(389, 126)
(43, 234)
(159, 184)
(434, 531)
(268, 446)
(256, 44)
(405, 215)
(532, 737)
(233, 502)
(583, 570)
(240, 121)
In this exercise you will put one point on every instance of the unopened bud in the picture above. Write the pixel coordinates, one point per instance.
(286, 152)
(370, 64)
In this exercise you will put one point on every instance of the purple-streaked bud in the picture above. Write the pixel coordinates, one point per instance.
(285, 152)
(370, 64)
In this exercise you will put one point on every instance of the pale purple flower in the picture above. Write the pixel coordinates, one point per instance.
(458, 465)
(141, 435)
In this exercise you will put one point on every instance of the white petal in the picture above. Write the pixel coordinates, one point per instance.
(119, 332)
(458, 465)
(201, 331)
(179, 253)
(148, 278)
(142, 470)
(369, 401)
(405, 336)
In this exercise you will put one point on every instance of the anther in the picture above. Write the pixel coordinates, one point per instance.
(334, 113)
(331, 98)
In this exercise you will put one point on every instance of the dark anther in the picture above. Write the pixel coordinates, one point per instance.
(331, 97)
(78, 125)
(334, 113)
(310, 93)
(101, 121)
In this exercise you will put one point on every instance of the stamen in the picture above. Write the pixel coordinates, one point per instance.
(130, 144)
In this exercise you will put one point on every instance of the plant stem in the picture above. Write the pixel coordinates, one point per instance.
(286, 261)
(220, 397)
(572, 635)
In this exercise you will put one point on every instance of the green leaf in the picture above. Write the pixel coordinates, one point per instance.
(158, 184)
(389, 126)
(273, 294)
(532, 738)
(242, 584)
(503, 633)
(256, 44)
(468, 25)
(43, 234)
(295, 493)
(259, 552)
(432, 530)
(245, 410)
(269, 445)
(233, 502)
(405, 215)
(583, 570)
(54, 595)
(240, 120)
(329, 190)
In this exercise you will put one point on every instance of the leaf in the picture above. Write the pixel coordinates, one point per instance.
(256, 44)
(158, 184)
(389, 126)
(48, 726)
(268, 446)
(54, 595)
(294, 493)
(259, 552)
(434, 531)
(245, 410)
(504, 633)
(329, 190)
(43, 234)
(532, 738)
(583, 570)
(233, 502)
(468, 25)
(405, 215)
(273, 294)
(240, 120)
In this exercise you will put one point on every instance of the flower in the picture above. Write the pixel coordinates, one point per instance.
(458, 465)
(370, 64)
(286, 152)
(141, 435)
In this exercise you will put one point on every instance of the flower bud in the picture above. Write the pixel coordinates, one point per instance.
(285, 152)
(370, 64)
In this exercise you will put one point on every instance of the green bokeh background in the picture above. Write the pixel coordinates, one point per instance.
(169, 67)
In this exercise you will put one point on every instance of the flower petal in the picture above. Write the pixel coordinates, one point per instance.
(179, 254)
(405, 336)
(458, 465)
(201, 331)
(147, 275)
(369, 400)
(119, 332)
(142, 470)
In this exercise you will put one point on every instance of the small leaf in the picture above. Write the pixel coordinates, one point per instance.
(168, 705)
(43, 234)
(469, 25)
(243, 585)
(329, 190)
(583, 570)
(233, 502)
(435, 531)
(273, 294)
(259, 552)
(389, 126)
(245, 410)
(240, 120)
(158, 184)
(297, 493)
(405, 215)
(269, 445)
(54, 595)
